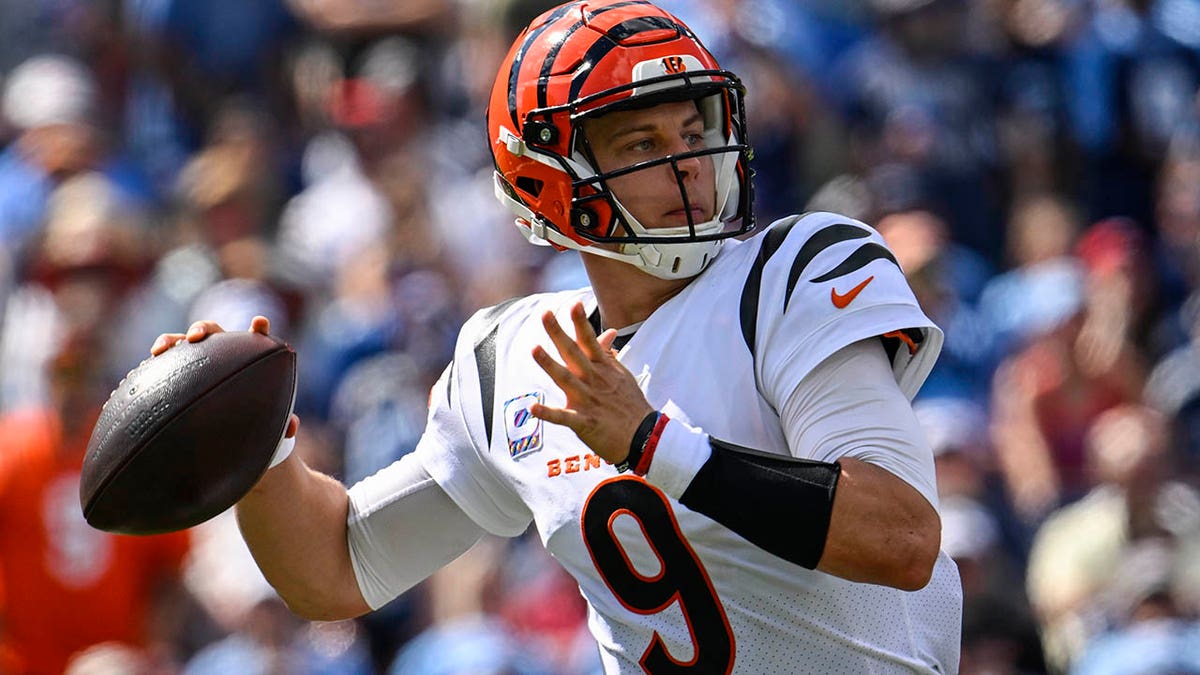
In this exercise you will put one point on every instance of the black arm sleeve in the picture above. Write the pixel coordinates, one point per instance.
(782, 505)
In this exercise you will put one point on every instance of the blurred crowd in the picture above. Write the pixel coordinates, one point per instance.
(1034, 164)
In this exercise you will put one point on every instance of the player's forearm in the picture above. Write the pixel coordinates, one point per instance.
(294, 522)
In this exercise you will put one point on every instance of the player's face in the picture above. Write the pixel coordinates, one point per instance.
(652, 195)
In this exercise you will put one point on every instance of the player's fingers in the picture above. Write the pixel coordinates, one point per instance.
(570, 352)
(561, 375)
(585, 335)
(165, 342)
(260, 324)
(606, 340)
(202, 329)
(561, 416)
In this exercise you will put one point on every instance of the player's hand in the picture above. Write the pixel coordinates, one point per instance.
(202, 329)
(604, 403)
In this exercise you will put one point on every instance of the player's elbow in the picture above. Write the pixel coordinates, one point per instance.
(325, 607)
(916, 557)
(330, 598)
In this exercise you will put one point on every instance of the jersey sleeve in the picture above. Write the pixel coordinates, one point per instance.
(850, 406)
(403, 527)
(454, 446)
(824, 282)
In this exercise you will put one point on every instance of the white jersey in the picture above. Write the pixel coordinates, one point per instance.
(671, 590)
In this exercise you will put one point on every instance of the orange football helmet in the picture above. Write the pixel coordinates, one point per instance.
(585, 59)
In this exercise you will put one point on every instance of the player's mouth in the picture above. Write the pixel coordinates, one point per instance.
(696, 213)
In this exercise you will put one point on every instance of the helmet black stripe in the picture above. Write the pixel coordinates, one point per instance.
(548, 63)
(619, 32)
(552, 55)
(519, 57)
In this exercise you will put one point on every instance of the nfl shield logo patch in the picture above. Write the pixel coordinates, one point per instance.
(524, 431)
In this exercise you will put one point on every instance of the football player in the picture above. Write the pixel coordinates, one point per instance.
(715, 438)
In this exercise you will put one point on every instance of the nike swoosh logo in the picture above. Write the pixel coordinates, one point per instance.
(841, 300)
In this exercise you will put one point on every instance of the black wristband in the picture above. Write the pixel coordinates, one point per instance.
(780, 504)
(638, 444)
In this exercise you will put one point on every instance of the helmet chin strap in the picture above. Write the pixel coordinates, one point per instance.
(665, 261)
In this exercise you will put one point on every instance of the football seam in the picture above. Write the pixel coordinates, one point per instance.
(99, 492)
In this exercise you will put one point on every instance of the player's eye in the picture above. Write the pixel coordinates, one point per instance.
(641, 145)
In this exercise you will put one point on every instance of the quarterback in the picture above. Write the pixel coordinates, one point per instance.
(715, 438)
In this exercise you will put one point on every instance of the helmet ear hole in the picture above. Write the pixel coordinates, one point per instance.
(530, 185)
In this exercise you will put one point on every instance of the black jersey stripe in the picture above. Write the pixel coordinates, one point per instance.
(519, 58)
(619, 32)
(485, 361)
(823, 239)
(859, 259)
(748, 311)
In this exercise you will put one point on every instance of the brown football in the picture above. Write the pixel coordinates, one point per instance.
(187, 433)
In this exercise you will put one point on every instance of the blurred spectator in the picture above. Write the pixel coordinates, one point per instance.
(1044, 282)
(999, 633)
(52, 563)
(1173, 387)
(847, 194)
(110, 658)
(90, 255)
(363, 178)
(217, 255)
(1121, 288)
(50, 100)
(1131, 73)
(915, 95)
(1046, 395)
(466, 633)
(209, 50)
(1153, 631)
(380, 404)
(1075, 562)
(38, 26)
(229, 193)
(361, 239)
(272, 640)
(346, 16)
(944, 277)
(1027, 37)
(1044, 399)
(1176, 242)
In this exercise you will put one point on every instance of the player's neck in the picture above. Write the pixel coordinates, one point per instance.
(625, 294)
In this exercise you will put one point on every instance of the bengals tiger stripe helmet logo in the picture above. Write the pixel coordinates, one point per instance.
(587, 58)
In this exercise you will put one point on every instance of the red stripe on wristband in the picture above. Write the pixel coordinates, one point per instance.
(643, 465)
